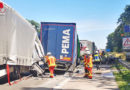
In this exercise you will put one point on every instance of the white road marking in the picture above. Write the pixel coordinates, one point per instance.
(45, 83)
(66, 79)
(61, 84)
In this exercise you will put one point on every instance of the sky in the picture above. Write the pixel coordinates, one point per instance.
(95, 19)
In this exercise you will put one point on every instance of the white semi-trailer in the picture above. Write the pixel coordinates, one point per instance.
(87, 44)
(20, 47)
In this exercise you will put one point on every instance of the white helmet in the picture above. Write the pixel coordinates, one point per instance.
(48, 53)
(86, 49)
(96, 52)
(88, 52)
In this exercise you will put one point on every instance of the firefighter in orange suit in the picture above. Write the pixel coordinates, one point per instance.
(88, 64)
(51, 60)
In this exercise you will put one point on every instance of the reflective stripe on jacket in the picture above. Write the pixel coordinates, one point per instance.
(96, 57)
(51, 61)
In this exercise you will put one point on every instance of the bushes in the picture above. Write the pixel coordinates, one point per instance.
(122, 77)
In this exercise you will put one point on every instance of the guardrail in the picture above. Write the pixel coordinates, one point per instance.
(124, 63)
(111, 60)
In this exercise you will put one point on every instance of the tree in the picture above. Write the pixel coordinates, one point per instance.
(114, 40)
(110, 40)
(125, 16)
(35, 24)
(118, 39)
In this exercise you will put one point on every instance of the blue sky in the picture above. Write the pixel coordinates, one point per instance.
(95, 19)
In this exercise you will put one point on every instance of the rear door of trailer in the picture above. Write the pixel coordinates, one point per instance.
(59, 39)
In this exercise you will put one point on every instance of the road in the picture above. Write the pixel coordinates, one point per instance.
(102, 80)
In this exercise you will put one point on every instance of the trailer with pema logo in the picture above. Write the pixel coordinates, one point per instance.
(61, 40)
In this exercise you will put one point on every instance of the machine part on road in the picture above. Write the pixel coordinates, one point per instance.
(37, 70)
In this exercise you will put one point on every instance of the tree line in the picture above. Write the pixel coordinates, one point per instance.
(114, 39)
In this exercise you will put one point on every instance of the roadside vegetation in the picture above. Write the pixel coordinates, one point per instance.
(121, 55)
(122, 76)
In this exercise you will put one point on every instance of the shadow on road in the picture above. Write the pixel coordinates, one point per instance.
(43, 88)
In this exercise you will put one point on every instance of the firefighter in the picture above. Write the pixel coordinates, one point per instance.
(51, 60)
(88, 64)
(97, 60)
(100, 53)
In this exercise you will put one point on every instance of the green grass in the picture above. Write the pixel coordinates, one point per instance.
(122, 77)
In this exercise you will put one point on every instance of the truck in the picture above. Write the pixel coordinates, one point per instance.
(20, 47)
(61, 40)
(87, 44)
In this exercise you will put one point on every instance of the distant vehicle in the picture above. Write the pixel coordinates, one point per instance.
(87, 44)
(62, 41)
(20, 46)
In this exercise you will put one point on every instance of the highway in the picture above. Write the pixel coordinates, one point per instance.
(103, 79)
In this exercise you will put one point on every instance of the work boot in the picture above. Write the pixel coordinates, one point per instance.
(51, 76)
(90, 77)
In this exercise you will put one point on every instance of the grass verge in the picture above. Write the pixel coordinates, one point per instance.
(122, 77)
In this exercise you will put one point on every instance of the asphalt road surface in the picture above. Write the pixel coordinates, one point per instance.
(102, 80)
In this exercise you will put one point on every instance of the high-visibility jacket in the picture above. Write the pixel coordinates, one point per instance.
(88, 61)
(96, 58)
(51, 60)
(100, 53)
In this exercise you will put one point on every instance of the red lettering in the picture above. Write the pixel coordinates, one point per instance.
(1, 5)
